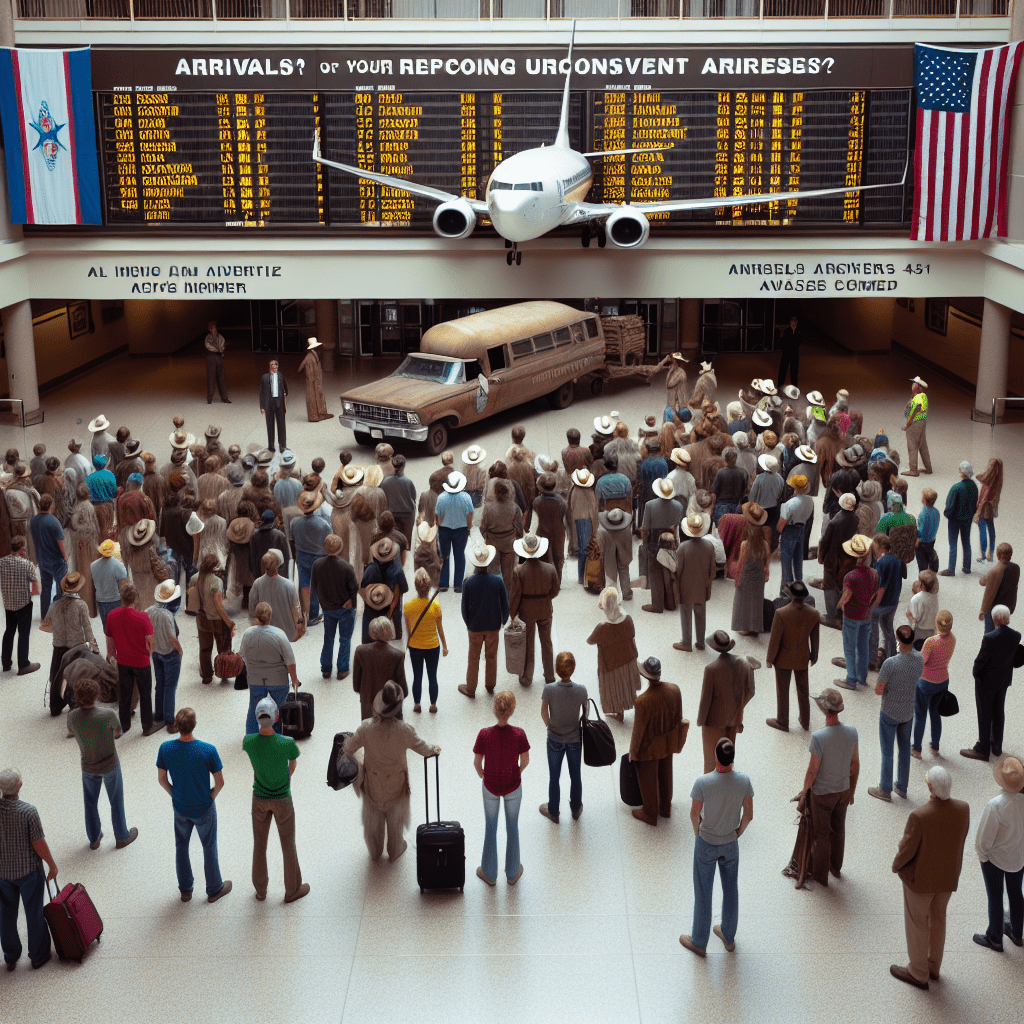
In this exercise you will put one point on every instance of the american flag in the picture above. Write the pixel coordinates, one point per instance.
(964, 99)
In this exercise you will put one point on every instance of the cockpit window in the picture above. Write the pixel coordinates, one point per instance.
(522, 186)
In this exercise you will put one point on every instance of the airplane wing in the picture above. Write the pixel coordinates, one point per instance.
(595, 211)
(404, 184)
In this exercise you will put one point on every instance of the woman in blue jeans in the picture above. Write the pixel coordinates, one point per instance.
(502, 753)
(269, 662)
(561, 705)
(934, 681)
(454, 515)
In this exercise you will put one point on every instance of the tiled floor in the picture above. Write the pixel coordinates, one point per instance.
(592, 928)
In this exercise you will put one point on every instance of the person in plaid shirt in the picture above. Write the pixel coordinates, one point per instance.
(19, 580)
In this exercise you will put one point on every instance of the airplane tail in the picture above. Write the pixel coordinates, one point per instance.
(562, 138)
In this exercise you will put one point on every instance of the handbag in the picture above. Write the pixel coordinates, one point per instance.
(598, 742)
(948, 705)
(515, 650)
(192, 599)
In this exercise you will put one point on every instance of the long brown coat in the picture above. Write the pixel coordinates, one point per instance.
(373, 665)
(728, 688)
(657, 723)
(316, 404)
(695, 569)
(793, 643)
(534, 586)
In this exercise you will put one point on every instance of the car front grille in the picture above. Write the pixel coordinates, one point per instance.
(379, 414)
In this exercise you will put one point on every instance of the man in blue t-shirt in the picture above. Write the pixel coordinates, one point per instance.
(191, 762)
(48, 537)
(891, 574)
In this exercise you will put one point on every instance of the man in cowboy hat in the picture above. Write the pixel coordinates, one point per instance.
(129, 636)
(274, 403)
(309, 531)
(375, 663)
(662, 514)
(484, 610)
(287, 485)
(385, 568)
(214, 343)
(280, 594)
(862, 592)
(928, 861)
(837, 532)
(659, 731)
(794, 516)
(790, 337)
(675, 383)
(273, 758)
(721, 808)
(683, 483)
(535, 585)
(583, 512)
(616, 539)
(1002, 856)
(333, 583)
(107, 572)
(705, 387)
(993, 673)
(102, 439)
(916, 413)
(695, 570)
(728, 688)
(792, 647)
(830, 785)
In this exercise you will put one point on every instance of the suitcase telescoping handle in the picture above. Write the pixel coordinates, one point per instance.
(437, 785)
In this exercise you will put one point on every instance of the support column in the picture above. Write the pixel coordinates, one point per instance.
(327, 331)
(993, 358)
(21, 358)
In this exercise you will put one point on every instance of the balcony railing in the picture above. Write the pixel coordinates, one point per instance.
(492, 10)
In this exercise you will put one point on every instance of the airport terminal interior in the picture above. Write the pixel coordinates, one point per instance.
(210, 204)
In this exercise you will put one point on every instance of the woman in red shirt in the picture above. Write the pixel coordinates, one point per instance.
(502, 752)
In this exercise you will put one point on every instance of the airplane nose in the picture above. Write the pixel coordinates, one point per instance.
(504, 201)
(512, 216)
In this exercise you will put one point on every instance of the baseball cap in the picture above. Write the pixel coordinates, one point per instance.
(266, 709)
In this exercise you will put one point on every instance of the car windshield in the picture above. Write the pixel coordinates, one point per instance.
(440, 371)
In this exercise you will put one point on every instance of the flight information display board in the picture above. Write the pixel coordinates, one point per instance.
(242, 159)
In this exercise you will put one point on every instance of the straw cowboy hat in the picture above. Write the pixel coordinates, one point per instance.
(1009, 773)
(107, 548)
(456, 482)
(815, 398)
(473, 455)
(753, 513)
(167, 591)
(920, 383)
(664, 488)
(583, 478)
(313, 343)
(141, 533)
(603, 425)
(180, 440)
(530, 546)
(72, 583)
(680, 456)
(384, 550)
(425, 533)
(352, 475)
(696, 525)
(378, 596)
(240, 530)
(857, 546)
(308, 502)
(481, 555)
(100, 423)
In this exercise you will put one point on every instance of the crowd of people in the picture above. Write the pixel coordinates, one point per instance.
(694, 501)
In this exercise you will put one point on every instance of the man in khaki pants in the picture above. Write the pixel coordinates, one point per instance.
(273, 758)
(917, 419)
(928, 862)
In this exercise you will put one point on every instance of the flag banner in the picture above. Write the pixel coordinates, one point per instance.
(50, 136)
(964, 100)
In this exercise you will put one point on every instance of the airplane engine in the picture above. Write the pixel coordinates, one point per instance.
(455, 219)
(628, 228)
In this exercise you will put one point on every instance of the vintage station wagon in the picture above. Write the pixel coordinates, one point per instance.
(470, 368)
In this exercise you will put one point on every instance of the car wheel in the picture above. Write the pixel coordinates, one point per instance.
(364, 439)
(437, 439)
(562, 398)
(596, 385)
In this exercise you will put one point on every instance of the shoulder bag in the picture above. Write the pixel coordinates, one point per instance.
(598, 743)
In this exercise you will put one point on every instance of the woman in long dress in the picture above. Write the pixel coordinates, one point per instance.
(748, 601)
(85, 532)
(316, 404)
(618, 676)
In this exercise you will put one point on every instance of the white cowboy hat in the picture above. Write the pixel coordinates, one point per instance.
(680, 456)
(473, 455)
(768, 387)
(543, 463)
(141, 533)
(768, 463)
(426, 533)
(603, 425)
(313, 343)
(583, 478)
(100, 423)
(194, 525)
(680, 357)
(705, 367)
(167, 591)
(481, 555)
(761, 418)
(352, 474)
(815, 398)
(530, 546)
(805, 453)
(920, 383)
(664, 488)
(791, 392)
(179, 439)
(696, 525)
(456, 482)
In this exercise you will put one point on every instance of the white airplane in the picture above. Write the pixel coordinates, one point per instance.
(538, 190)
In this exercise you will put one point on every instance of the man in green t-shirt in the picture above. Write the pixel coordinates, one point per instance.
(273, 760)
(916, 413)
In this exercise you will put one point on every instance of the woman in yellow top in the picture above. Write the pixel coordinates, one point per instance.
(426, 639)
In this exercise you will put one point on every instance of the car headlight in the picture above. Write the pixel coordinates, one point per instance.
(413, 417)
(348, 407)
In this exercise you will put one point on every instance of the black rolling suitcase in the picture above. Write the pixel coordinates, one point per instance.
(440, 845)
(297, 715)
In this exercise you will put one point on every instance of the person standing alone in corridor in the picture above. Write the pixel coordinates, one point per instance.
(274, 403)
(214, 343)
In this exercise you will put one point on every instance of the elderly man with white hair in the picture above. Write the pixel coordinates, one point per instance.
(993, 673)
(961, 503)
(928, 861)
(23, 849)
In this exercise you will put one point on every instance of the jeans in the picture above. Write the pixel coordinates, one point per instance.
(30, 889)
(723, 508)
(166, 669)
(340, 621)
(926, 699)
(791, 551)
(888, 731)
(447, 540)
(182, 563)
(584, 531)
(114, 784)
(421, 656)
(989, 624)
(206, 827)
(128, 677)
(489, 860)
(994, 888)
(987, 527)
(856, 636)
(256, 694)
(955, 528)
(573, 753)
(19, 620)
(304, 560)
(881, 618)
(706, 856)
(48, 576)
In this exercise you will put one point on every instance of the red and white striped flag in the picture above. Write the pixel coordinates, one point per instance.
(964, 99)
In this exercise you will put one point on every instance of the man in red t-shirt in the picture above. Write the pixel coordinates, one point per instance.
(861, 592)
(129, 634)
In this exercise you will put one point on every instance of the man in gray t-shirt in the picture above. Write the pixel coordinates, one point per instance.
(561, 705)
(897, 686)
(722, 807)
(829, 785)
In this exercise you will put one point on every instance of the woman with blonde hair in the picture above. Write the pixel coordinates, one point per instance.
(991, 480)
(426, 639)
(934, 682)
(755, 554)
(502, 753)
(618, 676)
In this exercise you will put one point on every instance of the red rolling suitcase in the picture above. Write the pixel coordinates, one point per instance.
(73, 920)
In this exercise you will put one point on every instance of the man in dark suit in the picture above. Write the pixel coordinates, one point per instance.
(928, 862)
(993, 673)
(274, 403)
(728, 687)
(792, 647)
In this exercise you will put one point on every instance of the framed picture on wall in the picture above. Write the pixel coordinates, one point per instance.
(936, 315)
(79, 319)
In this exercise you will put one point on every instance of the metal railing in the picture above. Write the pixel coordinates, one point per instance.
(497, 10)
(995, 403)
